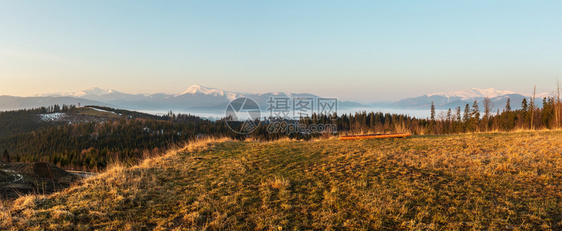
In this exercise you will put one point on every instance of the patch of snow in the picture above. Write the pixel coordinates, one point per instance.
(52, 116)
(231, 96)
(92, 91)
(97, 109)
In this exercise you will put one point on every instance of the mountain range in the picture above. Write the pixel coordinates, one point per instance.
(454, 99)
(198, 98)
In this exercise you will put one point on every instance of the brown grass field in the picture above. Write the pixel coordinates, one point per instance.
(488, 181)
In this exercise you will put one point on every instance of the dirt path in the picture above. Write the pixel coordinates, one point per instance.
(17, 177)
(38, 177)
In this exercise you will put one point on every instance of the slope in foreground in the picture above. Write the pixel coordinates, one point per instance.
(495, 181)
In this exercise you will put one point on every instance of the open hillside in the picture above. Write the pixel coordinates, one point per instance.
(495, 181)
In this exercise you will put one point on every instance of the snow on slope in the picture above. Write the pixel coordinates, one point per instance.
(473, 93)
(96, 91)
(100, 110)
(198, 89)
(52, 117)
(92, 91)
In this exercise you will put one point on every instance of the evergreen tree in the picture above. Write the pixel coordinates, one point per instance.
(524, 105)
(432, 111)
(459, 118)
(508, 105)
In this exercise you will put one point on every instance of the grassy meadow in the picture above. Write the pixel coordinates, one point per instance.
(487, 181)
(99, 113)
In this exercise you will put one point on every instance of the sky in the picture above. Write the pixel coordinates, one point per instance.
(364, 51)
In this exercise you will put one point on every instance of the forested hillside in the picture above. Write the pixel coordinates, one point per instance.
(78, 138)
(92, 137)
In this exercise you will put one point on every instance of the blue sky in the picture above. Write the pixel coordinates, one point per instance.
(356, 50)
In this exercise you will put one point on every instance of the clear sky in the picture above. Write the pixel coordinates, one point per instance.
(356, 50)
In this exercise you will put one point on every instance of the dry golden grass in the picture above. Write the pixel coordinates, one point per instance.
(492, 181)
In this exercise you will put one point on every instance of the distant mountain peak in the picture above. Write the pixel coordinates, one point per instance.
(473, 93)
(198, 89)
(93, 91)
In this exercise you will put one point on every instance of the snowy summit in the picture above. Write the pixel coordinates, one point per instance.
(473, 93)
(198, 89)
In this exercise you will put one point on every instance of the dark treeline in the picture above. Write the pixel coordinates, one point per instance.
(469, 119)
